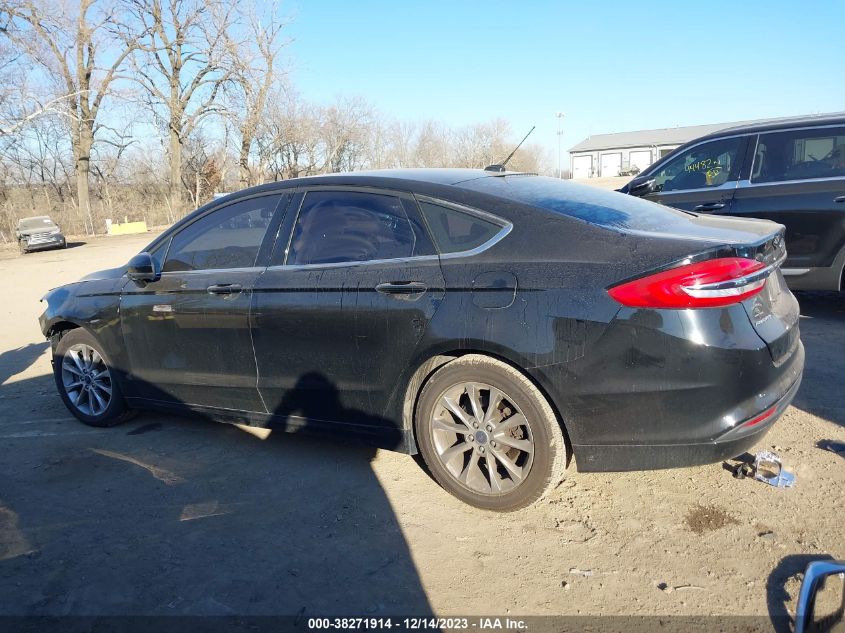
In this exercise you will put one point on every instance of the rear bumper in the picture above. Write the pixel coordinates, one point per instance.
(598, 458)
(662, 389)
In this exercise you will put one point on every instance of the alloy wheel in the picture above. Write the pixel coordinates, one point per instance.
(482, 438)
(86, 379)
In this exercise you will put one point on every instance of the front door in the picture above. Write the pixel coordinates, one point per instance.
(702, 178)
(337, 320)
(187, 335)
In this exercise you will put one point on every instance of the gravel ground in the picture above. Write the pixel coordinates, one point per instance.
(177, 516)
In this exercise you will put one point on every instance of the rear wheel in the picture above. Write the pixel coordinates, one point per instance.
(85, 380)
(488, 435)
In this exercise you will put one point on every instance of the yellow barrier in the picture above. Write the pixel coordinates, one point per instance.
(127, 228)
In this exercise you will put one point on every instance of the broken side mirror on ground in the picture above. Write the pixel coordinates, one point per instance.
(821, 601)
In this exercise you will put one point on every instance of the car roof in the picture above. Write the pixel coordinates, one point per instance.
(836, 118)
(36, 217)
(431, 175)
(383, 178)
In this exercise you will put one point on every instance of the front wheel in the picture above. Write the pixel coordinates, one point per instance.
(85, 380)
(488, 435)
(22, 246)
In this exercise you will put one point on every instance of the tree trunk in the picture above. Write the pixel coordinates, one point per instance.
(243, 160)
(175, 170)
(83, 167)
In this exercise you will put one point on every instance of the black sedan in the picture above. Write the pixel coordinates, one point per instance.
(497, 323)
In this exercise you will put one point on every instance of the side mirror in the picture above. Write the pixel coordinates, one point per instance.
(821, 601)
(642, 188)
(142, 269)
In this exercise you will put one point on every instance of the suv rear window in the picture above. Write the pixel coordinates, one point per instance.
(591, 204)
(800, 155)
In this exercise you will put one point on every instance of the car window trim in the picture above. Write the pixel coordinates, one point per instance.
(728, 185)
(215, 271)
(748, 184)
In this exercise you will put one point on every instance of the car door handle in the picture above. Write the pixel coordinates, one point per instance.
(224, 289)
(839, 199)
(710, 206)
(402, 288)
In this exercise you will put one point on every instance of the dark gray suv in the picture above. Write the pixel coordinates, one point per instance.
(791, 171)
(39, 233)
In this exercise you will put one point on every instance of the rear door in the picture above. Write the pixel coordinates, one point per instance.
(337, 317)
(798, 179)
(187, 335)
(702, 178)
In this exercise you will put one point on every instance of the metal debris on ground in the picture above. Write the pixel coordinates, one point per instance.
(768, 468)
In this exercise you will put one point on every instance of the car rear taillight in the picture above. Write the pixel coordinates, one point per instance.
(708, 284)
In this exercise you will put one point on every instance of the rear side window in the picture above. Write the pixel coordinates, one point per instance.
(455, 231)
(351, 226)
(227, 238)
(706, 165)
(799, 155)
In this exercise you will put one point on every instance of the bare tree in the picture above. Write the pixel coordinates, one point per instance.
(255, 72)
(181, 68)
(69, 43)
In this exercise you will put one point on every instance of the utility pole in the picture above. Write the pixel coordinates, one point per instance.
(559, 116)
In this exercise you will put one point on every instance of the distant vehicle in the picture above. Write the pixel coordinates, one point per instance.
(39, 233)
(791, 171)
(495, 322)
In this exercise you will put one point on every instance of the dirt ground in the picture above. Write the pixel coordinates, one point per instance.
(179, 516)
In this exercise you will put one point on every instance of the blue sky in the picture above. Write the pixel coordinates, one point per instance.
(610, 66)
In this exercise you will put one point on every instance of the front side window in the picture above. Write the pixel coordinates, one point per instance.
(227, 238)
(350, 226)
(799, 155)
(707, 165)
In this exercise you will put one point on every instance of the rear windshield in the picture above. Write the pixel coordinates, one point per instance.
(591, 204)
(36, 223)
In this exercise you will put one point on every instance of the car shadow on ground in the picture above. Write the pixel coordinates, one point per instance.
(179, 516)
(15, 361)
(823, 334)
(778, 599)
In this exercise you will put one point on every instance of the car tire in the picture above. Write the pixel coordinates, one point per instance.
(527, 455)
(85, 380)
(22, 246)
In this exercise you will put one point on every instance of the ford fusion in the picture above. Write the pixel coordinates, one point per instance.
(500, 324)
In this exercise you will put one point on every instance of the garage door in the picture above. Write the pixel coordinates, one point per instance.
(641, 159)
(582, 166)
(611, 164)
